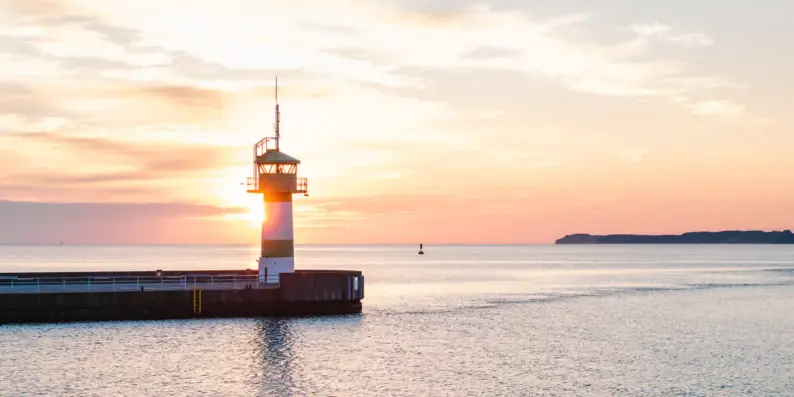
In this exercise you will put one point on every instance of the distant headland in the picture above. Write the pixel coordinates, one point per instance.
(724, 237)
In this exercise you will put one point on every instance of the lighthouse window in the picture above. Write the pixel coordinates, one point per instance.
(288, 168)
(278, 169)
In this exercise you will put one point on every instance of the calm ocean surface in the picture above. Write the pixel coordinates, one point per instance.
(700, 320)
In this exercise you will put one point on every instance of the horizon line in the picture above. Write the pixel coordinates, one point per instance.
(249, 245)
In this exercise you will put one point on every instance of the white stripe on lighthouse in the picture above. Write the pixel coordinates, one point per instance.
(270, 268)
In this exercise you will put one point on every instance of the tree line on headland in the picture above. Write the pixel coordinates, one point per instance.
(724, 237)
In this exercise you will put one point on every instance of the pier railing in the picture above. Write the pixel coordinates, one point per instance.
(128, 283)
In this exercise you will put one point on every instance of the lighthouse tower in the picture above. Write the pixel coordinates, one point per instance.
(276, 179)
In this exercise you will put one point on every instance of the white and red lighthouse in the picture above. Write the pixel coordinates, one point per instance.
(276, 179)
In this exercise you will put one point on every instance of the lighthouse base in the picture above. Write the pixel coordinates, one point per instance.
(271, 268)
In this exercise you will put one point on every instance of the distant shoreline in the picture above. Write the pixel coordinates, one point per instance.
(723, 237)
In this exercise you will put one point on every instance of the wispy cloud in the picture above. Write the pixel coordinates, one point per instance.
(717, 108)
(46, 162)
(486, 52)
(370, 44)
(116, 223)
(692, 40)
(667, 33)
(652, 29)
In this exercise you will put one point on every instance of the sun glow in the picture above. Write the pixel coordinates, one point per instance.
(249, 207)
(252, 209)
(256, 211)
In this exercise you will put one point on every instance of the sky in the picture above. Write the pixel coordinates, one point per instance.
(435, 121)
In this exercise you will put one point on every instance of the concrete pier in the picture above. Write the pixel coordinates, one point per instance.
(94, 296)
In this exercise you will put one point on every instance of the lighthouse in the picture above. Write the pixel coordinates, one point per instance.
(276, 179)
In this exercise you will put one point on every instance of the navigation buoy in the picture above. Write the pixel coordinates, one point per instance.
(420, 250)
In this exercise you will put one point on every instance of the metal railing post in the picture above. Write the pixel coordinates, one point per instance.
(64, 282)
(38, 285)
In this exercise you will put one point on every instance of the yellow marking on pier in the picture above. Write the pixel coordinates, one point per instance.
(197, 301)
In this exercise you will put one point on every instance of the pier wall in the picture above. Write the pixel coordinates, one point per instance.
(303, 293)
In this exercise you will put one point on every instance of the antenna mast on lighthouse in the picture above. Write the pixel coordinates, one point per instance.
(278, 118)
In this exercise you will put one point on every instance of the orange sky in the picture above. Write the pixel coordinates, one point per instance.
(446, 122)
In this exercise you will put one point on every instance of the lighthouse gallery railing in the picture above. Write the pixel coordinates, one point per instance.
(252, 184)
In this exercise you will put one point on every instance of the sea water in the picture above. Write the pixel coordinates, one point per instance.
(589, 320)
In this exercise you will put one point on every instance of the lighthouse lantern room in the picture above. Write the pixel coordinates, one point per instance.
(276, 179)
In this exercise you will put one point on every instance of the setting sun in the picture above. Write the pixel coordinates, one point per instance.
(251, 208)
(256, 211)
